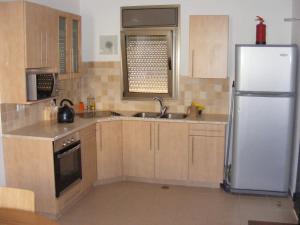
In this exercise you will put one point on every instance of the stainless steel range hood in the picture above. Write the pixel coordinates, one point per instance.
(150, 51)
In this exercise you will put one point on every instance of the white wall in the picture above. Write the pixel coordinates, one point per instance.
(103, 17)
(65, 5)
(296, 39)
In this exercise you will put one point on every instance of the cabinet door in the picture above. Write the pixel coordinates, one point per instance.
(171, 159)
(109, 154)
(51, 34)
(138, 149)
(64, 59)
(206, 159)
(75, 44)
(208, 46)
(41, 36)
(34, 43)
(89, 156)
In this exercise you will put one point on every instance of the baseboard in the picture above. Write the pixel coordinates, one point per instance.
(158, 181)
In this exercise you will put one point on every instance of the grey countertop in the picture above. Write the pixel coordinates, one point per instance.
(52, 130)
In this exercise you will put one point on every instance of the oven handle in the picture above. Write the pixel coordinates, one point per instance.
(59, 156)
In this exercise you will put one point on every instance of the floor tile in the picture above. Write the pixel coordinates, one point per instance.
(130, 203)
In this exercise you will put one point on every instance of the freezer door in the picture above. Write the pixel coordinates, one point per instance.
(262, 143)
(266, 69)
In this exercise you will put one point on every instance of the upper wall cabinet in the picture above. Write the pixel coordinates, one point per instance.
(28, 40)
(208, 46)
(40, 36)
(33, 36)
(69, 45)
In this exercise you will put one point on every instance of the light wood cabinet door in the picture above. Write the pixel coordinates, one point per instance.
(208, 46)
(34, 35)
(51, 34)
(171, 159)
(138, 149)
(88, 156)
(41, 36)
(109, 150)
(206, 159)
(69, 26)
(75, 25)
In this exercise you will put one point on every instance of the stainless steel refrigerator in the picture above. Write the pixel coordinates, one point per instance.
(263, 118)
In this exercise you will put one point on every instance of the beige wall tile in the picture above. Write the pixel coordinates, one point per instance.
(103, 81)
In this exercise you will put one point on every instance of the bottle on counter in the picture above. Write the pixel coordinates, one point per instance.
(91, 103)
(81, 106)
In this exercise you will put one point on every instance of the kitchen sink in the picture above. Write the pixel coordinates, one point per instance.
(174, 116)
(147, 115)
(98, 114)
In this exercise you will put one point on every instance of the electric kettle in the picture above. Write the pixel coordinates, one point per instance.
(65, 112)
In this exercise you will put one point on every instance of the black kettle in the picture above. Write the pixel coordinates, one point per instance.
(65, 112)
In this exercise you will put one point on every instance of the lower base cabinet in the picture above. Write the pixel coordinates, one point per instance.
(109, 150)
(138, 149)
(171, 156)
(29, 164)
(168, 152)
(89, 156)
(206, 159)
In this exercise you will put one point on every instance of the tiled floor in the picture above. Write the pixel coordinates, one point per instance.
(129, 203)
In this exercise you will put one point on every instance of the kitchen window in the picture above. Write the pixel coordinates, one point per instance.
(149, 56)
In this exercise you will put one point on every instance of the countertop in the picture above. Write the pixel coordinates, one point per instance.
(52, 130)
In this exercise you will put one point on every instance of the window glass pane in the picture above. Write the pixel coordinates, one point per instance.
(147, 63)
(75, 36)
(62, 44)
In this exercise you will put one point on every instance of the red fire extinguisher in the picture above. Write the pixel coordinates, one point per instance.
(260, 31)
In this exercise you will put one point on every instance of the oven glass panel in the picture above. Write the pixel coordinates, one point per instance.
(67, 167)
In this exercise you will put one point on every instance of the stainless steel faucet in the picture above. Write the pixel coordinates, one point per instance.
(163, 108)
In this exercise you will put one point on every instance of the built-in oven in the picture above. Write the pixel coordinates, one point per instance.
(67, 162)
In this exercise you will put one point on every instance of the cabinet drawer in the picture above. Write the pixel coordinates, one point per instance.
(216, 130)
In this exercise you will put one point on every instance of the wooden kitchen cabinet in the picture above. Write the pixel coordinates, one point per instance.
(69, 26)
(109, 150)
(138, 149)
(40, 36)
(88, 156)
(206, 154)
(28, 38)
(208, 51)
(171, 157)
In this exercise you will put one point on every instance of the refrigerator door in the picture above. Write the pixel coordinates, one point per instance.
(266, 68)
(262, 143)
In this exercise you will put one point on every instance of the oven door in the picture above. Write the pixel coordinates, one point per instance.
(67, 165)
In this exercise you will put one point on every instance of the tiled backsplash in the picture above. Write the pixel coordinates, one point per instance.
(103, 81)
(15, 116)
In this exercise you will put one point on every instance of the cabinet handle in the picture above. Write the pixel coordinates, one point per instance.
(192, 150)
(193, 57)
(41, 48)
(72, 67)
(46, 48)
(100, 129)
(158, 137)
(150, 137)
